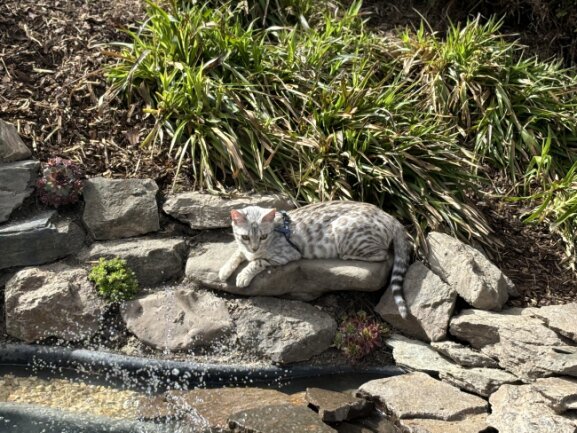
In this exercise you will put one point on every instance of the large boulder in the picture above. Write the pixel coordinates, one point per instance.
(418, 398)
(416, 355)
(282, 330)
(16, 183)
(303, 279)
(430, 301)
(153, 260)
(12, 148)
(207, 211)
(468, 271)
(177, 319)
(120, 208)
(546, 406)
(522, 344)
(52, 301)
(39, 239)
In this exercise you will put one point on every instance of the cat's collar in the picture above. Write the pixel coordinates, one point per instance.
(285, 230)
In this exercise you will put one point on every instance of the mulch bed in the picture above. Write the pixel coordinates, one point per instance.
(52, 55)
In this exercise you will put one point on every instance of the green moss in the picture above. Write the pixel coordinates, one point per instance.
(114, 280)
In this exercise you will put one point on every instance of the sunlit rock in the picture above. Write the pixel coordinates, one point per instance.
(12, 148)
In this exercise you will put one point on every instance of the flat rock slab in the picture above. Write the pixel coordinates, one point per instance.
(560, 318)
(177, 319)
(463, 355)
(335, 406)
(304, 280)
(278, 419)
(52, 301)
(207, 211)
(12, 148)
(468, 271)
(120, 208)
(471, 424)
(419, 356)
(522, 344)
(153, 260)
(40, 239)
(17, 181)
(430, 302)
(208, 408)
(418, 395)
(540, 407)
(282, 330)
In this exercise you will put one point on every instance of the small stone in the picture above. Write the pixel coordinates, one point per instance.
(40, 239)
(282, 330)
(418, 395)
(17, 181)
(153, 260)
(177, 319)
(430, 302)
(304, 280)
(206, 211)
(337, 406)
(278, 419)
(52, 301)
(120, 208)
(12, 148)
(463, 355)
(468, 271)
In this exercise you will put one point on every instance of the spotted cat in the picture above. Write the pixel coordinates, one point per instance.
(337, 229)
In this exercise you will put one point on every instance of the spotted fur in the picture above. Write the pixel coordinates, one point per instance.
(337, 229)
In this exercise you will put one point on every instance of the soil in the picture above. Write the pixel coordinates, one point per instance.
(52, 55)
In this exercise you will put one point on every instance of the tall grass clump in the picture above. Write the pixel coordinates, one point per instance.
(318, 111)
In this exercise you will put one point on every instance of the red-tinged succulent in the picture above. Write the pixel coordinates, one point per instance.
(61, 183)
(358, 335)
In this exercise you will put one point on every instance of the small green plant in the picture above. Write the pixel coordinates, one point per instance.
(61, 183)
(358, 335)
(114, 280)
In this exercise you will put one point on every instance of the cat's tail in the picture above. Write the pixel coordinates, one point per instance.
(402, 249)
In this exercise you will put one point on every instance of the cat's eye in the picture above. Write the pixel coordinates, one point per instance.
(245, 237)
(263, 237)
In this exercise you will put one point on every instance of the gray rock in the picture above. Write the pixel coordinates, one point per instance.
(416, 355)
(536, 408)
(207, 211)
(120, 208)
(430, 301)
(153, 260)
(468, 271)
(463, 355)
(284, 331)
(560, 318)
(52, 301)
(417, 395)
(336, 406)
(278, 419)
(303, 279)
(471, 424)
(16, 183)
(374, 423)
(177, 319)
(522, 344)
(40, 239)
(12, 148)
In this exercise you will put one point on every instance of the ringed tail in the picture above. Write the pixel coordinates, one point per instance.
(402, 251)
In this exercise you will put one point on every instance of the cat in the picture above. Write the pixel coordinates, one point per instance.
(329, 230)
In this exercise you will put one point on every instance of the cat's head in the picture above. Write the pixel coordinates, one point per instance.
(252, 227)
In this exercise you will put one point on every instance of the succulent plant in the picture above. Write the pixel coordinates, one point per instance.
(114, 280)
(61, 183)
(358, 335)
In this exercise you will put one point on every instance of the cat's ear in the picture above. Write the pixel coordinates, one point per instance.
(237, 217)
(269, 217)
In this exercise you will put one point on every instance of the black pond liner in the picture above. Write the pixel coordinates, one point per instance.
(139, 373)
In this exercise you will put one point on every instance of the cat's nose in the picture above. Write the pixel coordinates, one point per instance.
(254, 249)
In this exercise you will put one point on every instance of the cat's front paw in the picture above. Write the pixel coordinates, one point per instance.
(224, 274)
(243, 279)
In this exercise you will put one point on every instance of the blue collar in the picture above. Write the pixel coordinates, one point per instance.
(285, 230)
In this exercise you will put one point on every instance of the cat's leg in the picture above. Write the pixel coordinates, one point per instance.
(230, 266)
(254, 268)
(381, 257)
